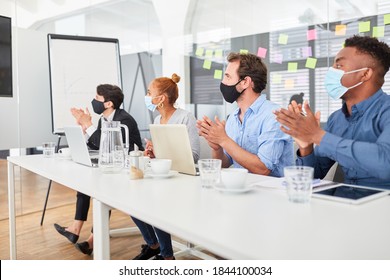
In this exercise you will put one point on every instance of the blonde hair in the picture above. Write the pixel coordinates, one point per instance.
(168, 86)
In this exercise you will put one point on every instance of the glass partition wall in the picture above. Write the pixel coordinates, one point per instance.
(296, 39)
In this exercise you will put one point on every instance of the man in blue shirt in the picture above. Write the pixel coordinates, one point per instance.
(251, 137)
(357, 136)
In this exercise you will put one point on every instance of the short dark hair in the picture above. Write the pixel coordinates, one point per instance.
(111, 93)
(251, 66)
(378, 50)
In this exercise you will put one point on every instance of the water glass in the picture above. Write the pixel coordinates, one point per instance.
(48, 149)
(210, 172)
(299, 181)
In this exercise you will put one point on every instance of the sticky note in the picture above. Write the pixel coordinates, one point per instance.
(341, 29)
(261, 52)
(277, 58)
(364, 26)
(306, 52)
(283, 39)
(243, 51)
(199, 51)
(218, 53)
(386, 19)
(209, 53)
(289, 84)
(378, 31)
(276, 78)
(218, 74)
(311, 62)
(292, 67)
(312, 34)
(207, 64)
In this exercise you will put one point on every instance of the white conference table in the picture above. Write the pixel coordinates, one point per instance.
(260, 224)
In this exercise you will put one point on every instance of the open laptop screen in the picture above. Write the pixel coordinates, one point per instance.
(171, 141)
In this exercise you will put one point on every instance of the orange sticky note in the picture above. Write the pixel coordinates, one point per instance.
(289, 84)
(341, 29)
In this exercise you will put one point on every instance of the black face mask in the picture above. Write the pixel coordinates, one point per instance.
(230, 93)
(98, 106)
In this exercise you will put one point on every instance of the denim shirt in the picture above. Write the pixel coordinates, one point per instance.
(359, 142)
(260, 134)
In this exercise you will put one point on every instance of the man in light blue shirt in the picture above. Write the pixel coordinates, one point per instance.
(251, 137)
(357, 136)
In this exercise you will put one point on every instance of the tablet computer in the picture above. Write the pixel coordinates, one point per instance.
(350, 193)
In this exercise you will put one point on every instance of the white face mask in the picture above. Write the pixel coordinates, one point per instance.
(333, 84)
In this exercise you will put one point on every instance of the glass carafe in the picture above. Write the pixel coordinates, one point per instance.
(112, 151)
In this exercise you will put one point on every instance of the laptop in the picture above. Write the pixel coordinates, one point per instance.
(78, 147)
(171, 141)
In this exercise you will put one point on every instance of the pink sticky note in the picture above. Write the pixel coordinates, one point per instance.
(312, 34)
(306, 52)
(261, 52)
(278, 58)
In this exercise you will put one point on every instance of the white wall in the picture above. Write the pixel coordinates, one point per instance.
(26, 117)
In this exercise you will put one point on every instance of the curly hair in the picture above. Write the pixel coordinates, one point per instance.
(251, 66)
(378, 50)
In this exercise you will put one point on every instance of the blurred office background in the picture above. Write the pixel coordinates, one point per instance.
(296, 39)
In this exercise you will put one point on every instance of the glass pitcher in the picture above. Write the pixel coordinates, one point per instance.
(112, 152)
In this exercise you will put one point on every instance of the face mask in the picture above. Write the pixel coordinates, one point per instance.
(333, 84)
(148, 102)
(230, 93)
(98, 106)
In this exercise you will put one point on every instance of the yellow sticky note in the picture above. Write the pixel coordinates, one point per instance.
(283, 39)
(341, 29)
(209, 53)
(218, 53)
(311, 62)
(386, 19)
(199, 51)
(218, 74)
(378, 31)
(276, 79)
(364, 26)
(207, 64)
(292, 67)
(289, 84)
(243, 51)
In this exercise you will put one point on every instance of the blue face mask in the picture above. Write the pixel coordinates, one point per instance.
(333, 84)
(148, 102)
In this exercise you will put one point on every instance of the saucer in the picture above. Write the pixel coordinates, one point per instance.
(163, 176)
(59, 156)
(221, 188)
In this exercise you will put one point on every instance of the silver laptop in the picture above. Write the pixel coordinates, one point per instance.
(78, 147)
(171, 141)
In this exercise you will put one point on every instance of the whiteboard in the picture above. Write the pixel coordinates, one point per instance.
(77, 66)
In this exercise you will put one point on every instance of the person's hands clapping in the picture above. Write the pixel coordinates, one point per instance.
(213, 132)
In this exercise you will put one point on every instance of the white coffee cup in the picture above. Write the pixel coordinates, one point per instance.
(64, 152)
(233, 178)
(160, 166)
